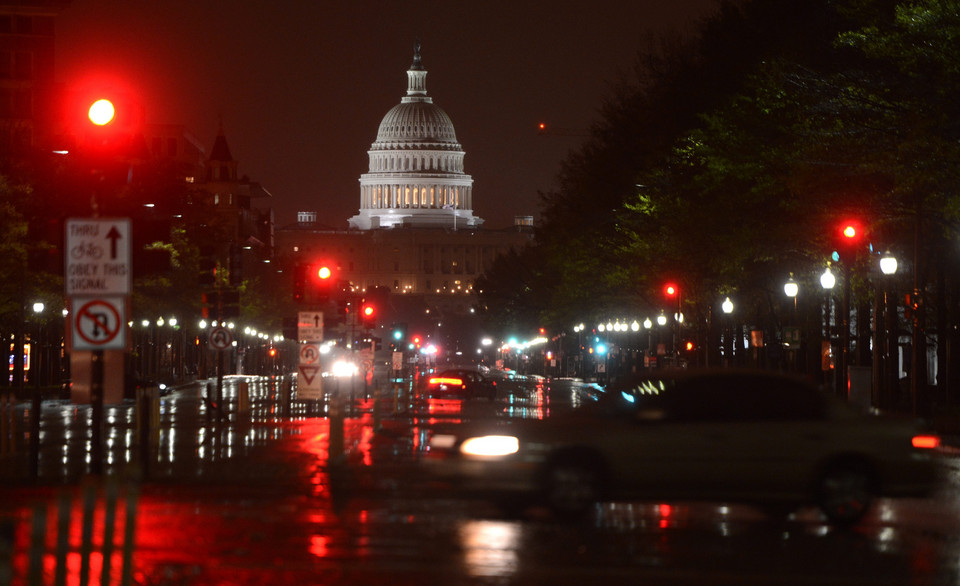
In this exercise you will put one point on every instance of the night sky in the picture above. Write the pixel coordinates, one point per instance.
(301, 85)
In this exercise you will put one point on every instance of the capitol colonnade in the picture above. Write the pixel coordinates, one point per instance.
(404, 195)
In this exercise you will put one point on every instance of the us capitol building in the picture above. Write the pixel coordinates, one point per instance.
(415, 234)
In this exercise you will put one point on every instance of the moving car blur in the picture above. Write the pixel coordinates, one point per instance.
(731, 436)
(460, 383)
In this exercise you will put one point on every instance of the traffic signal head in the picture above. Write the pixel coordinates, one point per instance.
(368, 314)
(850, 232)
(324, 272)
(850, 238)
(671, 290)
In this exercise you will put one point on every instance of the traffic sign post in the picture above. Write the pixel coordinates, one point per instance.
(97, 281)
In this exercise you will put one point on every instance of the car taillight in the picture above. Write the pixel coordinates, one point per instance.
(440, 380)
(926, 441)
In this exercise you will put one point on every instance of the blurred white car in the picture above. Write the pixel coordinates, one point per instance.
(714, 435)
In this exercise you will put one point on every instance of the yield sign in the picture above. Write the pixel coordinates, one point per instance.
(308, 373)
(309, 382)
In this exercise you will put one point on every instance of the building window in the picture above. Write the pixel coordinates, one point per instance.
(23, 65)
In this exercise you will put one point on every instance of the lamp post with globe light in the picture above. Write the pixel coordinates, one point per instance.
(885, 377)
(827, 281)
(728, 345)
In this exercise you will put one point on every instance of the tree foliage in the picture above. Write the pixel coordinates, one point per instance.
(729, 159)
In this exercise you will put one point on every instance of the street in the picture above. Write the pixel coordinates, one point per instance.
(254, 500)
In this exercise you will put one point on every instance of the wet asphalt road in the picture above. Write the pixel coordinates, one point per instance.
(252, 501)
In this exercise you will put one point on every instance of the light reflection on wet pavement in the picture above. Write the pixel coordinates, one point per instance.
(253, 501)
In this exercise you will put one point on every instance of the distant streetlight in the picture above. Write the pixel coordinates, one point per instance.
(828, 280)
(38, 307)
(727, 306)
(791, 288)
(888, 264)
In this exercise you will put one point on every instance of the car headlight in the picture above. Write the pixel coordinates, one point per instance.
(490, 445)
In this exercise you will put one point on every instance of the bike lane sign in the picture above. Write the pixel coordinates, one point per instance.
(97, 256)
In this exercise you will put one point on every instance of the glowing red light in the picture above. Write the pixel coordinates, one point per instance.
(101, 112)
(926, 441)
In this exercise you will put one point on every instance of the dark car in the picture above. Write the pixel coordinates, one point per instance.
(717, 436)
(459, 384)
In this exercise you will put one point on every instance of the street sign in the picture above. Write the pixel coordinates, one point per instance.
(220, 338)
(310, 326)
(99, 324)
(97, 257)
(309, 371)
(309, 382)
(309, 353)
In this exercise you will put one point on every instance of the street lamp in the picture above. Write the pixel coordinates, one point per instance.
(888, 264)
(791, 288)
(728, 345)
(885, 374)
(727, 306)
(827, 281)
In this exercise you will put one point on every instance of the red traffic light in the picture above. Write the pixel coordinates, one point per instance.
(850, 231)
(671, 290)
(368, 311)
(324, 272)
(101, 112)
(690, 346)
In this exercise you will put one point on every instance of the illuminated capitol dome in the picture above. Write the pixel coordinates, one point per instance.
(416, 173)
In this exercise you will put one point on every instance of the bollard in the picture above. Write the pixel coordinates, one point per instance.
(285, 394)
(335, 448)
(243, 397)
(147, 424)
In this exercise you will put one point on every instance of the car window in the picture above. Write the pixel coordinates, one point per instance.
(743, 398)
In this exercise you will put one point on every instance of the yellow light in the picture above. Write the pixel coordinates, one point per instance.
(101, 112)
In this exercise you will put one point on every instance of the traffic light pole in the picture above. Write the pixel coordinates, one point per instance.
(843, 377)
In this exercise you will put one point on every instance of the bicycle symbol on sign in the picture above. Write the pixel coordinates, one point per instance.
(86, 250)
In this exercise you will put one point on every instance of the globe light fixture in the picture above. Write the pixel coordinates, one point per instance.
(791, 288)
(828, 280)
(727, 306)
(888, 264)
